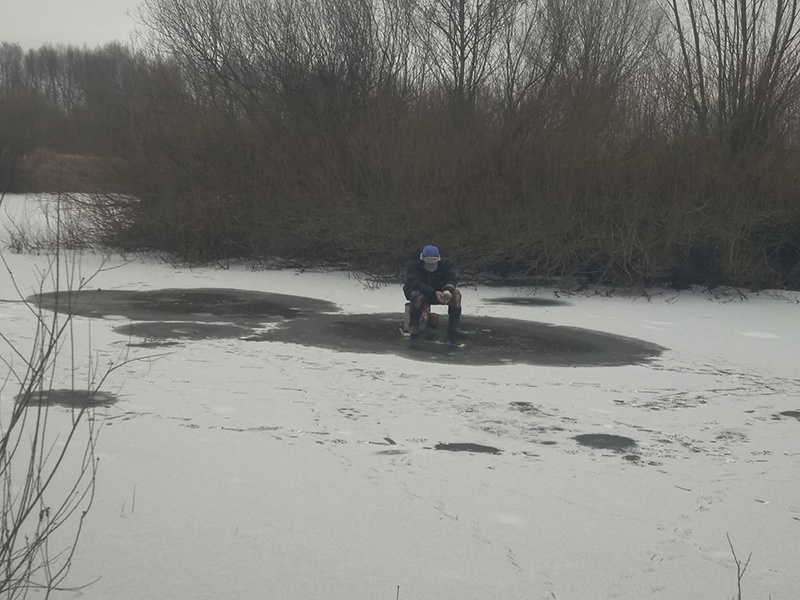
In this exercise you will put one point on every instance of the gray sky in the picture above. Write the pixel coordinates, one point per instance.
(31, 23)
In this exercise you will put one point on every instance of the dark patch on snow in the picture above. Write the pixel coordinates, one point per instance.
(792, 414)
(202, 305)
(526, 408)
(604, 441)
(466, 447)
(210, 313)
(489, 341)
(70, 398)
(548, 443)
(527, 301)
(729, 435)
(632, 457)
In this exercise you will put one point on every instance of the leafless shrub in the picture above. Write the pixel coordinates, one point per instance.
(49, 229)
(47, 460)
(741, 568)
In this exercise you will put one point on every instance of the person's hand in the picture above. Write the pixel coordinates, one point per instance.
(440, 298)
(447, 297)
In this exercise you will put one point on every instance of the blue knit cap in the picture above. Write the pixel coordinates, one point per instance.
(430, 253)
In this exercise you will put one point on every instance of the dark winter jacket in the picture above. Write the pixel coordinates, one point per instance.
(428, 282)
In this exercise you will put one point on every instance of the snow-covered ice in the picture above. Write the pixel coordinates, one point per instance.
(239, 469)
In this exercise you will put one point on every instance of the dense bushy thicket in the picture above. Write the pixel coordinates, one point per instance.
(621, 141)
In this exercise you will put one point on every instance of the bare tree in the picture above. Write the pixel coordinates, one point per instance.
(11, 74)
(460, 38)
(319, 128)
(533, 43)
(739, 65)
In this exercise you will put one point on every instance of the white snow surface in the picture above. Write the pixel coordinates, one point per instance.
(233, 469)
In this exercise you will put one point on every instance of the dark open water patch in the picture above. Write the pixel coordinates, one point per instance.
(526, 301)
(466, 447)
(604, 441)
(489, 341)
(153, 344)
(70, 398)
(792, 414)
(195, 304)
(210, 313)
(182, 331)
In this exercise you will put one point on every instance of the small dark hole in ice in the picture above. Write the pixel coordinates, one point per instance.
(794, 414)
(466, 447)
(604, 441)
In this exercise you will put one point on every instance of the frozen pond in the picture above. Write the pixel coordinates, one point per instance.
(276, 437)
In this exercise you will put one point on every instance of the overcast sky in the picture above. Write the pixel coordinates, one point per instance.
(31, 23)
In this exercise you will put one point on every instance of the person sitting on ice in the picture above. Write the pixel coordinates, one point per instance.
(430, 280)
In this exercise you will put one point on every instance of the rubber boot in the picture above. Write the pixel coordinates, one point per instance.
(454, 322)
(413, 322)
